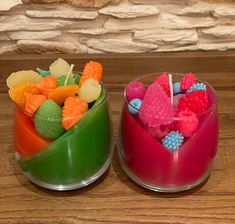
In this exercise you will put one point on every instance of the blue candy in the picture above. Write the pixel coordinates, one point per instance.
(134, 105)
(173, 140)
(197, 86)
(177, 87)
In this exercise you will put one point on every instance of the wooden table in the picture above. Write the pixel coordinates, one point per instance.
(115, 198)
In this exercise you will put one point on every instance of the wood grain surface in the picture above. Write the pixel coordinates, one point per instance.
(114, 198)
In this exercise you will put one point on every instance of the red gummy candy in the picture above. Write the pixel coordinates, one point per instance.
(158, 132)
(196, 101)
(135, 89)
(163, 81)
(187, 122)
(156, 108)
(187, 81)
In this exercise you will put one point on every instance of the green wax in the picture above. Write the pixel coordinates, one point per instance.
(76, 155)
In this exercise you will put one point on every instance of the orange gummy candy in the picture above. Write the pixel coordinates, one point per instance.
(60, 93)
(92, 70)
(33, 102)
(17, 92)
(46, 85)
(73, 109)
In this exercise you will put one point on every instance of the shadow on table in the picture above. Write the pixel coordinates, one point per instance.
(139, 189)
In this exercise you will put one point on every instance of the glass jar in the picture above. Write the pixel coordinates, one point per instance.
(148, 163)
(75, 159)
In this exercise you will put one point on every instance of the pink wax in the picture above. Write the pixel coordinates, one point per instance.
(150, 161)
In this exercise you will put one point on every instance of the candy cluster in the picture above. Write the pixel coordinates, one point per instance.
(56, 99)
(168, 111)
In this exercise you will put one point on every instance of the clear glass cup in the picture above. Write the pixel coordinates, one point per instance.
(148, 163)
(75, 159)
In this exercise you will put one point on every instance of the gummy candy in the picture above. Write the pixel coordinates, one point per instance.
(92, 70)
(158, 132)
(43, 73)
(187, 122)
(60, 93)
(60, 81)
(33, 102)
(73, 109)
(48, 119)
(59, 67)
(196, 101)
(163, 81)
(173, 140)
(135, 89)
(90, 90)
(17, 92)
(19, 77)
(156, 108)
(177, 87)
(187, 81)
(134, 106)
(46, 85)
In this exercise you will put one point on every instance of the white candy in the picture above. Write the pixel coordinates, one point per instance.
(90, 90)
(59, 67)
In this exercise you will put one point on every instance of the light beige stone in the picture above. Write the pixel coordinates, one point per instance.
(91, 31)
(3, 36)
(6, 5)
(119, 45)
(39, 47)
(199, 46)
(178, 2)
(164, 20)
(64, 12)
(80, 3)
(8, 48)
(166, 36)
(34, 35)
(93, 51)
(129, 11)
(225, 11)
(197, 9)
(21, 22)
(220, 32)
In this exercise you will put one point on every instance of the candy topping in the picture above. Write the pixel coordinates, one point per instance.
(173, 140)
(156, 108)
(187, 123)
(187, 81)
(196, 101)
(134, 105)
(135, 89)
(197, 86)
(163, 81)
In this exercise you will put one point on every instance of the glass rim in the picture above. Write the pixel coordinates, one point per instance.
(212, 106)
(92, 108)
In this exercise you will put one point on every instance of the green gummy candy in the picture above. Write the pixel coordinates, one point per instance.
(43, 73)
(60, 81)
(77, 78)
(48, 118)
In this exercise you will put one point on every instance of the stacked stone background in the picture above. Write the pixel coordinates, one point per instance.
(119, 26)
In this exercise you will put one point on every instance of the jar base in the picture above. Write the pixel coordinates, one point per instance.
(157, 188)
(80, 184)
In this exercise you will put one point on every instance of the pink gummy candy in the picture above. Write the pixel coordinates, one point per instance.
(156, 108)
(187, 122)
(135, 89)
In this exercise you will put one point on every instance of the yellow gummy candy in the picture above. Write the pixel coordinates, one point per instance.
(17, 92)
(28, 76)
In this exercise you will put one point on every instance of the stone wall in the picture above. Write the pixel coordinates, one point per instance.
(97, 26)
